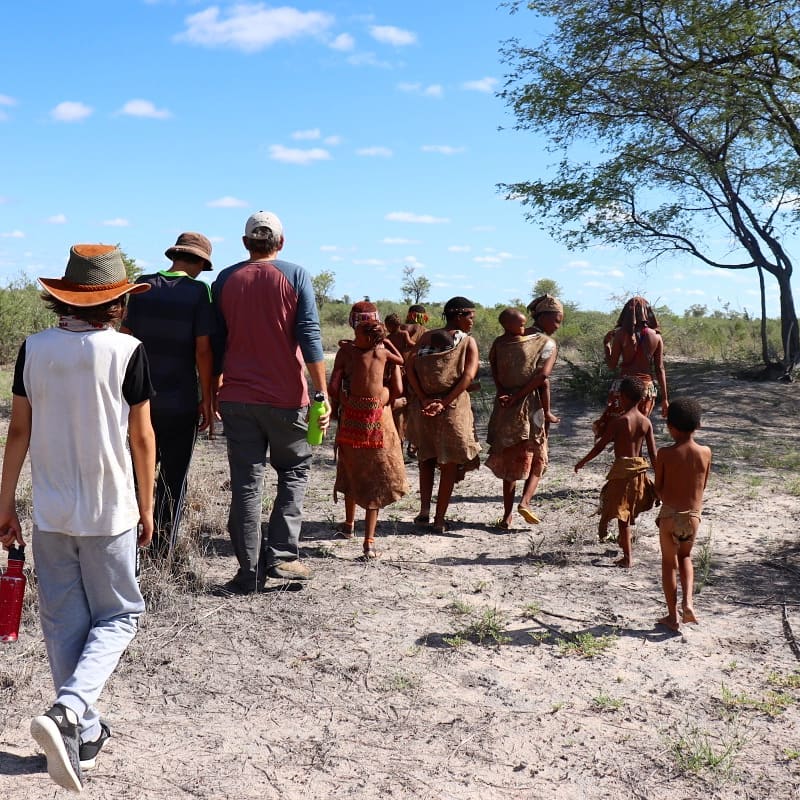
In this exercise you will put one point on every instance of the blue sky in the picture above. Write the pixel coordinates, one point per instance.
(371, 129)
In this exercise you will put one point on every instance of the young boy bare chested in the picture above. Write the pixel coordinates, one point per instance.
(513, 324)
(619, 497)
(681, 476)
(370, 470)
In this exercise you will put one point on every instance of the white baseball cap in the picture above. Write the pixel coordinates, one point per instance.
(261, 223)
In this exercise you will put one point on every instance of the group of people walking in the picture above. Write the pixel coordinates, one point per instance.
(108, 404)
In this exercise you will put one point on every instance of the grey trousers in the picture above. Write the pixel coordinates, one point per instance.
(89, 606)
(252, 430)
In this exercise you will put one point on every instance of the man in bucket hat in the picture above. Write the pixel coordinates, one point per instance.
(174, 321)
(267, 335)
(81, 390)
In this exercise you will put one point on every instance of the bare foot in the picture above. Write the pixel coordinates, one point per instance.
(623, 562)
(669, 622)
(553, 419)
(370, 553)
(344, 530)
(688, 615)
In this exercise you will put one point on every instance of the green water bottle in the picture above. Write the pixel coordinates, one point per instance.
(315, 434)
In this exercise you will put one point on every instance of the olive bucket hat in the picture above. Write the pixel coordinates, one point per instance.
(95, 274)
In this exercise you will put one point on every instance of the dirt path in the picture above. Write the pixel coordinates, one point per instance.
(370, 682)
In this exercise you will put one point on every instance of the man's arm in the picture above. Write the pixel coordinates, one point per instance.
(143, 452)
(471, 364)
(661, 375)
(651, 444)
(599, 446)
(204, 359)
(17, 442)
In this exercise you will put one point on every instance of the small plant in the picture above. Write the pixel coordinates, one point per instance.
(480, 587)
(791, 754)
(784, 681)
(605, 702)
(585, 645)
(531, 610)
(461, 608)
(455, 641)
(694, 752)
(772, 704)
(488, 627)
(704, 558)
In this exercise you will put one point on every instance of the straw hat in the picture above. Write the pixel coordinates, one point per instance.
(95, 275)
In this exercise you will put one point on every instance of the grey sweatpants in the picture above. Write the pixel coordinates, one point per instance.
(89, 606)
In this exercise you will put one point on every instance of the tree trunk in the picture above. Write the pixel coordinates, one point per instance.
(789, 333)
(764, 346)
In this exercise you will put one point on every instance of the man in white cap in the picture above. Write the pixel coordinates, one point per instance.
(81, 406)
(267, 335)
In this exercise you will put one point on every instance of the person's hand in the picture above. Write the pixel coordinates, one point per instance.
(325, 417)
(664, 408)
(206, 417)
(145, 529)
(504, 400)
(579, 465)
(10, 530)
(432, 408)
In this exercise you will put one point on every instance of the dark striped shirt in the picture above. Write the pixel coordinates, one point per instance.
(168, 319)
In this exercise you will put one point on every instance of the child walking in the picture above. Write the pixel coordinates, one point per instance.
(80, 391)
(369, 470)
(681, 477)
(628, 490)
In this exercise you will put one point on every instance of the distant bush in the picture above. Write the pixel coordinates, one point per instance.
(22, 313)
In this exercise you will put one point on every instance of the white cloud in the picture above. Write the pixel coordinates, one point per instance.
(433, 90)
(144, 108)
(343, 42)
(367, 59)
(71, 112)
(311, 134)
(459, 248)
(487, 260)
(332, 141)
(596, 285)
(376, 151)
(337, 258)
(293, 155)
(579, 263)
(399, 240)
(482, 85)
(618, 273)
(329, 248)
(698, 292)
(484, 228)
(409, 216)
(505, 255)
(13, 235)
(251, 27)
(5, 100)
(442, 149)
(227, 202)
(369, 262)
(3, 200)
(57, 219)
(117, 222)
(389, 34)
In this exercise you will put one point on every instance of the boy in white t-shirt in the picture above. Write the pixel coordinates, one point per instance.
(81, 407)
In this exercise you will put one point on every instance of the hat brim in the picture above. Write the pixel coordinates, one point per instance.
(87, 296)
(177, 249)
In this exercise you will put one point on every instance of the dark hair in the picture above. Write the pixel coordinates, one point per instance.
(684, 414)
(267, 246)
(106, 313)
(506, 314)
(632, 387)
(636, 313)
(373, 330)
(416, 309)
(392, 319)
(189, 258)
(442, 338)
(457, 307)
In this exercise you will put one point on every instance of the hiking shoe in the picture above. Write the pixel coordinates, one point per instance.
(290, 571)
(58, 736)
(88, 750)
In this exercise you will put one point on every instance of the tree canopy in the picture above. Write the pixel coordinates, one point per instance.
(676, 128)
(414, 287)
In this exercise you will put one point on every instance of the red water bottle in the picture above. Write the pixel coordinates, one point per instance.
(12, 591)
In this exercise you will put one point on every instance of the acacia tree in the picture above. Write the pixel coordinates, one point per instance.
(414, 287)
(685, 113)
(323, 283)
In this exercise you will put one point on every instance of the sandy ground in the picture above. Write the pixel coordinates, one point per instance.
(371, 682)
